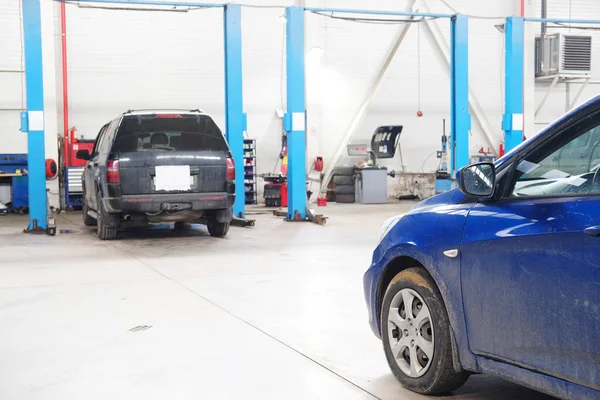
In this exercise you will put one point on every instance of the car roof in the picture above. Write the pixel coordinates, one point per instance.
(164, 111)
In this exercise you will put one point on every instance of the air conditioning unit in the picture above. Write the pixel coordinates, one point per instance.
(561, 53)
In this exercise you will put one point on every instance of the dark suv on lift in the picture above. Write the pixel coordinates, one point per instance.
(157, 166)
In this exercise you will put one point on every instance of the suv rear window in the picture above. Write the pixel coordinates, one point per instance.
(169, 132)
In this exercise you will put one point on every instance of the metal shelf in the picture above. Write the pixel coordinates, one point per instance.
(251, 196)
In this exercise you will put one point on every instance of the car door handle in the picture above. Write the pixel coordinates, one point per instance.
(593, 231)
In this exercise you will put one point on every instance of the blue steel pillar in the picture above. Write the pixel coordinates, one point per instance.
(295, 119)
(235, 119)
(33, 120)
(512, 121)
(460, 119)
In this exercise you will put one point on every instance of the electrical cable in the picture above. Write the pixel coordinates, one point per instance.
(386, 21)
(425, 161)
(282, 70)
(116, 8)
(455, 11)
(419, 68)
(560, 25)
(262, 6)
(175, 9)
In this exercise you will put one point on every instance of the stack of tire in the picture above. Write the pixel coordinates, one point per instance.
(343, 184)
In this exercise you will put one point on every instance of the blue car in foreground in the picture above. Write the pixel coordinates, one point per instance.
(500, 276)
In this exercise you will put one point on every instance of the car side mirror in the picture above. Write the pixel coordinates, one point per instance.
(83, 155)
(477, 179)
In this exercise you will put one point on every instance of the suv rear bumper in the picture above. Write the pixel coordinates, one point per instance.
(154, 203)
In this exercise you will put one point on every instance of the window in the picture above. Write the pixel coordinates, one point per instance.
(568, 165)
(169, 133)
(98, 143)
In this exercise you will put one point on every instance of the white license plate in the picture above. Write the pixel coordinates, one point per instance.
(172, 178)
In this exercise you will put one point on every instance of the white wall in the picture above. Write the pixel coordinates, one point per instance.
(12, 93)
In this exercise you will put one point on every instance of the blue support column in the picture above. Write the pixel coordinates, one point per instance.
(295, 121)
(460, 119)
(33, 120)
(512, 121)
(235, 118)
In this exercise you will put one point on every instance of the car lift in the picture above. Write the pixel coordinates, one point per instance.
(295, 118)
(32, 120)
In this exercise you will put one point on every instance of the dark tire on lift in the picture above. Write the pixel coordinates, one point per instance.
(107, 224)
(343, 180)
(180, 226)
(217, 229)
(87, 219)
(344, 189)
(347, 171)
(344, 198)
(441, 376)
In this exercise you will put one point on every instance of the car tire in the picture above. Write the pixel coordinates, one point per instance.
(218, 229)
(107, 225)
(345, 198)
(417, 339)
(347, 171)
(343, 180)
(344, 189)
(180, 226)
(87, 219)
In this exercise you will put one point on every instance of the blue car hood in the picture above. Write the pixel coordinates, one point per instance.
(453, 196)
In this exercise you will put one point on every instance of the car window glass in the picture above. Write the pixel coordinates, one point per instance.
(169, 133)
(568, 165)
(99, 140)
(108, 136)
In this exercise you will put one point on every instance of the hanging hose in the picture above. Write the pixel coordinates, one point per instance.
(419, 112)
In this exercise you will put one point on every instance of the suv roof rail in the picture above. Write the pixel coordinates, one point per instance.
(164, 109)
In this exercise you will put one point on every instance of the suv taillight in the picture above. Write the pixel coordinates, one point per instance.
(112, 171)
(230, 174)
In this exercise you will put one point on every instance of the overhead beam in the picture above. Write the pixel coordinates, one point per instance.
(393, 49)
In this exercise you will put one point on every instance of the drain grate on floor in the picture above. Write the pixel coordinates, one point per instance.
(140, 328)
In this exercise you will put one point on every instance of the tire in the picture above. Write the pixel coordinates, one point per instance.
(344, 189)
(343, 180)
(107, 224)
(218, 229)
(87, 219)
(347, 171)
(180, 226)
(344, 198)
(424, 336)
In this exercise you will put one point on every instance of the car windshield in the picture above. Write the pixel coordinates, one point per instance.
(169, 132)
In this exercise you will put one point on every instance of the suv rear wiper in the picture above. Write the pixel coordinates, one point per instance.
(162, 148)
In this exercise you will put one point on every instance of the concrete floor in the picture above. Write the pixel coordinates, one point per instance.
(270, 312)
